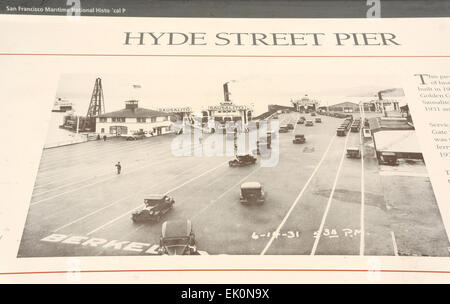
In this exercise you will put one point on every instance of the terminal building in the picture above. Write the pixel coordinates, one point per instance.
(226, 111)
(133, 119)
(305, 104)
(344, 107)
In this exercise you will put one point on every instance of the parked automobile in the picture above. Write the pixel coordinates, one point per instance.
(290, 126)
(299, 139)
(136, 136)
(318, 120)
(283, 129)
(300, 121)
(388, 158)
(313, 113)
(309, 123)
(353, 152)
(252, 192)
(242, 160)
(341, 131)
(356, 126)
(154, 208)
(177, 238)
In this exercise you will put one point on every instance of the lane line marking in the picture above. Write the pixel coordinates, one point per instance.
(330, 199)
(223, 194)
(214, 181)
(114, 202)
(394, 243)
(92, 184)
(171, 190)
(57, 164)
(96, 173)
(269, 243)
(114, 175)
(52, 163)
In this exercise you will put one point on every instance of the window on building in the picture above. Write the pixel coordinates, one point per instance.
(118, 119)
(153, 119)
(103, 119)
(141, 119)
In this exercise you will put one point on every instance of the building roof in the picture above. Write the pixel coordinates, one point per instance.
(345, 104)
(404, 141)
(134, 113)
(378, 123)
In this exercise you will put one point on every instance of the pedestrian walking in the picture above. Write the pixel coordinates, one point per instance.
(104, 137)
(119, 167)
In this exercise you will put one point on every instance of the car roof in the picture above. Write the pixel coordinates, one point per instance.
(156, 196)
(178, 228)
(243, 156)
(251, 185)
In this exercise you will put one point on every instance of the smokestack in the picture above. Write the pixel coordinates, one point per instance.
(226, 92)
(380, 97)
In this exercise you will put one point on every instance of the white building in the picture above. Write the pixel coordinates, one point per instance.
(132, 120)
(226, 111)
(305, 104)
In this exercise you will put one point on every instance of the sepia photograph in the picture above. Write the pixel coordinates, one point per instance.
(254, 164)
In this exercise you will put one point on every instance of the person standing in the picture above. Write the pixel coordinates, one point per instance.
(119, 167)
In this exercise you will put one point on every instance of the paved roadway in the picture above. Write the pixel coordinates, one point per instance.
(318, 201)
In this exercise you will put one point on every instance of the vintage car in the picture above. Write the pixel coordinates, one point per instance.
(177, 238)
(283, 129)
(290, 126)
(252, 192)
(318, 120)
(299, 139)
(300, 121)
(136, 136)
(242, 160)
(154, 208)
(355, 127)
(341, 131)
(388, 158)
(313, 113)
(309, 123)
(353, 152)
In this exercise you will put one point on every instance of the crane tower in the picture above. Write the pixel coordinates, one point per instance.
(96, 106)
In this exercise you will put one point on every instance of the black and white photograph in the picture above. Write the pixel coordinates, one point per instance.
(232, 164)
